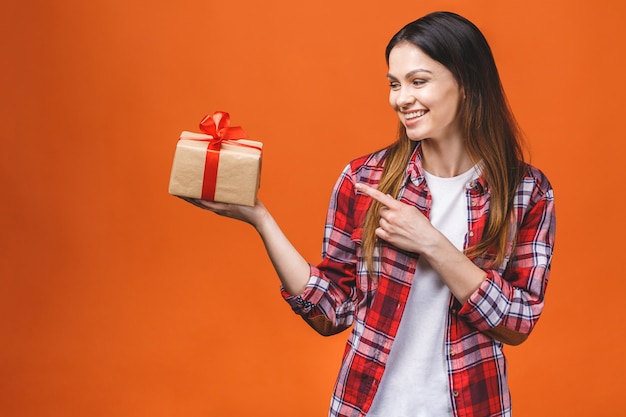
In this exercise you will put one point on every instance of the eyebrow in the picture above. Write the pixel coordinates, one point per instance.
(410, 73)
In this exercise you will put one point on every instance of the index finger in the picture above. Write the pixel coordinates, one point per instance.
(384, 199)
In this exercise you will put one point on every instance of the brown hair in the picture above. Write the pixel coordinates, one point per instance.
(491, 132)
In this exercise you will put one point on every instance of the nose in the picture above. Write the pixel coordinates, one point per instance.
(404, 97)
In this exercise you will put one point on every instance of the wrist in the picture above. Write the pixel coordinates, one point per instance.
(263, 222)
(436, 246)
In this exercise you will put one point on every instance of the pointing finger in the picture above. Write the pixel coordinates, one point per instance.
(384, 199)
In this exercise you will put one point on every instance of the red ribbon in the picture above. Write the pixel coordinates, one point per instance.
(218, 127)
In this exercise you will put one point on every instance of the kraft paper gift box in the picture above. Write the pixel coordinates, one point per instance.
(218, 165)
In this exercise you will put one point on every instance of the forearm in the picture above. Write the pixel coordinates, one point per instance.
(456, 270)
(292, 269)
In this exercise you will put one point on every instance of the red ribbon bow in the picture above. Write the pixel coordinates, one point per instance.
(218, 127)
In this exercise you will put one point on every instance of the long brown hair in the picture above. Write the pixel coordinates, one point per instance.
(491, 132)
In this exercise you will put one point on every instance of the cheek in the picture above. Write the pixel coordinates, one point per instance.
(392, 100)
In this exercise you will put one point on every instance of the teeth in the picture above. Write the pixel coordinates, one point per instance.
(415, 114)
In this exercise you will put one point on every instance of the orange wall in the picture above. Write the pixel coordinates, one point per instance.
(117, 299)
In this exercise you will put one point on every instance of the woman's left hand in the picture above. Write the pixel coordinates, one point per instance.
(401, 225)
(407, 228)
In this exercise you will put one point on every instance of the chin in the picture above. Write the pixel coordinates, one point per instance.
(414, 136)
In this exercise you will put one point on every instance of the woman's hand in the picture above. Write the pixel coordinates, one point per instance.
(406, 228)
(252, 215)
(402, 225)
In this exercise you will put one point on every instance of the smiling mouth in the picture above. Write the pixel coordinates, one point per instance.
(415, 114)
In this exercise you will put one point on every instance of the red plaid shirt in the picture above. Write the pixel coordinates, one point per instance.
(505, 307)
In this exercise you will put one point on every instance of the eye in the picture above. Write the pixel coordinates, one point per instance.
(394, 85)
(418, 82)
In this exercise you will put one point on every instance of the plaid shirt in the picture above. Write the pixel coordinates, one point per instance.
(504, 309)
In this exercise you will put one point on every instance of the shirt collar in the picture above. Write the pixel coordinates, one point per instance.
(415, 171)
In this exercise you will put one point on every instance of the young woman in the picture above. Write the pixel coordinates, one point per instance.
(437, 249)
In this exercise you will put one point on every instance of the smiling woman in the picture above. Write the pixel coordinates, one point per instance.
(437, 249)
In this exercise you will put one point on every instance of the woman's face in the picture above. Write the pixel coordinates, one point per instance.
(424, 94)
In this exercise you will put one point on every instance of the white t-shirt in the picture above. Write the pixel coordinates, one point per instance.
(415, 381)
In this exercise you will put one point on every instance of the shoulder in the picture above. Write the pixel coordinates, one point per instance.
(535, 182)
(364, 169)
(534, 199)
(367, 168)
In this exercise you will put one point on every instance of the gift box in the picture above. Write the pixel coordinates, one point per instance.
(220, 164)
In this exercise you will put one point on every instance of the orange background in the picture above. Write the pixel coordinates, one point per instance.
(118, 299)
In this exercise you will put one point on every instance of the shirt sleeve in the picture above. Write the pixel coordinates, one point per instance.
(331, 287)
(507, 306)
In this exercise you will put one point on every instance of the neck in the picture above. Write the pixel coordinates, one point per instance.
(445, 160)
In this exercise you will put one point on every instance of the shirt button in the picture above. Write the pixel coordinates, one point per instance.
(472, 184)
(455, 393)
(471, 233)
(452, 352)
(474, 204)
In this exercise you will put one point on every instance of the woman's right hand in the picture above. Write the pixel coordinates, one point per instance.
(252, 215)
